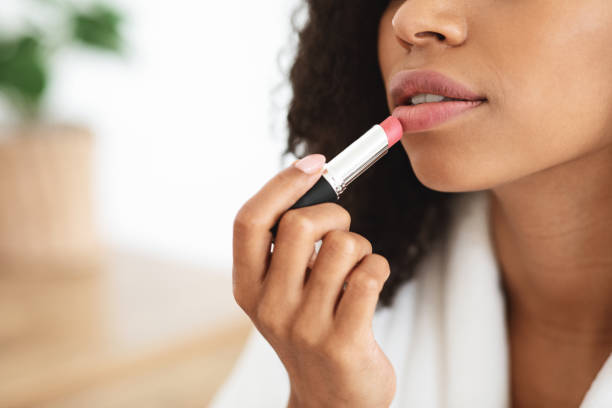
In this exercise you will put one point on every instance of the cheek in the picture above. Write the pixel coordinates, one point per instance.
(559, 93)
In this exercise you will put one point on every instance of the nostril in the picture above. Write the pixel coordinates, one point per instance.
(430, 33)
(404, 44)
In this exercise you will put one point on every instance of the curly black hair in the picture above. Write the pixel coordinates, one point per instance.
(338, 93)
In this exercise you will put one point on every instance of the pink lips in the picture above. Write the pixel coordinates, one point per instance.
(406, 84)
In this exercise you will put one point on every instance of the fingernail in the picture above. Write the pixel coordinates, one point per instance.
(311, 163)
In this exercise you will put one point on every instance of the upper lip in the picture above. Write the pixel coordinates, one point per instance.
(406, 84)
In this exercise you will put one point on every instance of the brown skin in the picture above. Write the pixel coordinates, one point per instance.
(322, 335)
(542, 146)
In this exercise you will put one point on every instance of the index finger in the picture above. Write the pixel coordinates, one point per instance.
(252, 236)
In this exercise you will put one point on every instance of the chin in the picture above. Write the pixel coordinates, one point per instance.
(448, 176)
(450, 184)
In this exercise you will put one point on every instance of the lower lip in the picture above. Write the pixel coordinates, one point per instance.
(427, 115)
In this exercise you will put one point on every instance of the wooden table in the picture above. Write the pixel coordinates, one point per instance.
(134, 332)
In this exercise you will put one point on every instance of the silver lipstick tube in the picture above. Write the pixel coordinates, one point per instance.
(356, 158)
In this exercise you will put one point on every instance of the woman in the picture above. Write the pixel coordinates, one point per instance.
(491, 230)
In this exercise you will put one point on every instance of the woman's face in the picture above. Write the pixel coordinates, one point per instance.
(544, 66)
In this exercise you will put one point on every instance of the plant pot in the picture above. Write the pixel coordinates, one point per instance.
(46, 211)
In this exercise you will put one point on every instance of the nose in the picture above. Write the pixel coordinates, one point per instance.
(427, 23)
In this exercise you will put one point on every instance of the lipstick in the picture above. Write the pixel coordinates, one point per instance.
(350, 163)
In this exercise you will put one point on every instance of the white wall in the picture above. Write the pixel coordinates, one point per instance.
(186, 125)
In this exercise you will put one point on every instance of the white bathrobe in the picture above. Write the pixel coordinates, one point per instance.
(445, 333)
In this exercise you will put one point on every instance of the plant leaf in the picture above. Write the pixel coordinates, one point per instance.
(23, 72)
(98, 27)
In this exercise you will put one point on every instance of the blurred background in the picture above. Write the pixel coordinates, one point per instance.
(131, 132)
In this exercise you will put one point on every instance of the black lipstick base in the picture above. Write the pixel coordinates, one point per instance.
(321, 192)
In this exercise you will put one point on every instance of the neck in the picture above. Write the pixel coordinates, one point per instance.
(552, 234)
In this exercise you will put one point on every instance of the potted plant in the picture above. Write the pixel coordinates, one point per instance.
(45, 196)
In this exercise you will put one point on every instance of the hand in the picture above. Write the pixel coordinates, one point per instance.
(322, 333)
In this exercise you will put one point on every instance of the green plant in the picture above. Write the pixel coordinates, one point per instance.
(25, 57)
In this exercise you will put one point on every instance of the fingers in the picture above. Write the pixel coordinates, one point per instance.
(274, 289)
(339, 254)
(252, 237)
(298, 230)
(358, 302)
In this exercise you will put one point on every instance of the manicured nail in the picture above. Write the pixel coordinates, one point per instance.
(311, 163)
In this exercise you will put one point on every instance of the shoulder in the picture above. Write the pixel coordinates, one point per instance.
(418, 331)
